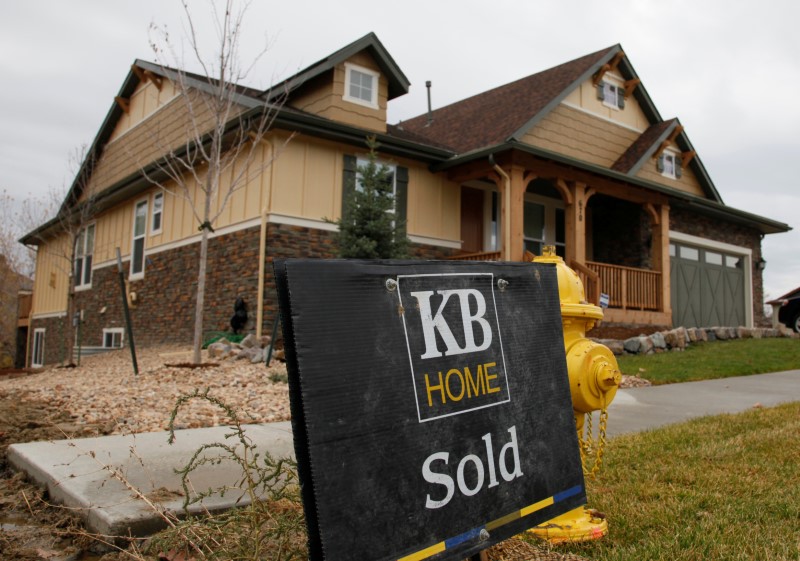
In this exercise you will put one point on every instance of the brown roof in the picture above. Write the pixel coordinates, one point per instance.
(641, 146)
(493, 116)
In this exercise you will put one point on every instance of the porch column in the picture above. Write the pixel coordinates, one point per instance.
(575, 196)
(515, 214)
(660, 221)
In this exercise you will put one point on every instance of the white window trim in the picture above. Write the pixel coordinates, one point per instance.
(120, 330)
(617, 88)
(131, 274)
(85, 286)
(745, 253)
(37, 331)
(160, 229)
(672, 154)
(348, 68)
(550, 205)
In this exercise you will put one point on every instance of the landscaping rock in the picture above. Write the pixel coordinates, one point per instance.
(614, 345)
(220, 349)
(722, 333)
(249, 342)
(658, 340)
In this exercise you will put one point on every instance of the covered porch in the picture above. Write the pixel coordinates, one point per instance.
(614, 235)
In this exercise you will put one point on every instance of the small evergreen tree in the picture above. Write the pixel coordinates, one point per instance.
(369, 227)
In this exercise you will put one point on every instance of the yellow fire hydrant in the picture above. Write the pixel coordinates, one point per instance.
(594, 377)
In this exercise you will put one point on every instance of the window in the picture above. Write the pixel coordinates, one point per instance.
(670, 165)
(112, 337)
(713, 258)
(544, 224)
(361, 85)
(37, 359)
(137, 249)
(611, 95)
(689, 253)
(391, 172)
(158, 213)
(84, 249)
(732, 261)
(398, 175)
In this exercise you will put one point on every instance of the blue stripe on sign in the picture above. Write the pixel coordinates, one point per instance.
(571, 492)
(466, 536)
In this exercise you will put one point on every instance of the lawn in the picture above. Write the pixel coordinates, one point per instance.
(718, 359)
(718, 488)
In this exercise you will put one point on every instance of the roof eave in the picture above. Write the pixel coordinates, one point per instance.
(763, 224)
(397, 80)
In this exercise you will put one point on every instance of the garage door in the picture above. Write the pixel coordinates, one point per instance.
(707, 287)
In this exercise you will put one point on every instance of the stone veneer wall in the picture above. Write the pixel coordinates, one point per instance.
(164, 309)
(687, 222)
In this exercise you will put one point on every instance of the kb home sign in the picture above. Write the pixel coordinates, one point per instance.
(430, 405)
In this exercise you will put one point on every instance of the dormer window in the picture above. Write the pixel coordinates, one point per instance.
(361, 85)
(670, 165)
(611, 95)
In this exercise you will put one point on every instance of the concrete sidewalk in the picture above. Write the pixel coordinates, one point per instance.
(639, 409)
(74, 473)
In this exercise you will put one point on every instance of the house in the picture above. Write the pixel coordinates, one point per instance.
(15, 300)
(576, 156)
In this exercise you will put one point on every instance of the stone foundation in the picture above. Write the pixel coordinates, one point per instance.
(163, 310)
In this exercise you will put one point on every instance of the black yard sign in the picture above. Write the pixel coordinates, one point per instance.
(430, 405)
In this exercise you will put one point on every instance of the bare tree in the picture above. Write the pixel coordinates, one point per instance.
(223, 134)
(67, 237)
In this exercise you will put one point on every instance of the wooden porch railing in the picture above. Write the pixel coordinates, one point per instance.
(481, 256)
(629, 288)
(590, 280)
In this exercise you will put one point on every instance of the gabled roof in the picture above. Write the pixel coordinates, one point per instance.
(506, 113)
(649, 142)
(398, 83)
(500, 114)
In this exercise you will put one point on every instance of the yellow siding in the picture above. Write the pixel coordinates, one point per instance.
(688, 181)
(146, 99)
(434, 205)
(577, 134)
(167, 130)
(52, 277)
(585, 97)
(324, 97)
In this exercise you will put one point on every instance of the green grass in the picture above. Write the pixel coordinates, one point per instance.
(719, 359)
(718, 488)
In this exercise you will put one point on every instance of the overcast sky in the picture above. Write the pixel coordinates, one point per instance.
(728, 69)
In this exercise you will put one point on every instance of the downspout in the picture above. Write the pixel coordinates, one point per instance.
(506, 215)
(262, 250)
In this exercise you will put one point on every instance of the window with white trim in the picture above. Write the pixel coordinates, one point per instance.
(670, 165)
(113, 337)
(137, 244)
(84, 249)
(611, 95)
(361, 85)
(544, 224)
(37, 358)
(156, 221)
(391, 179)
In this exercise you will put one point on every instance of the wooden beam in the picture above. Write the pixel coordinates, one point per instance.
(687, 157)
(139, 73)
(562, 187)
(664, 145)
(612, 65)
(123, 103)
(602, 185)
(599, 74)
(158, 82)
(630, 85)
(654, 215)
